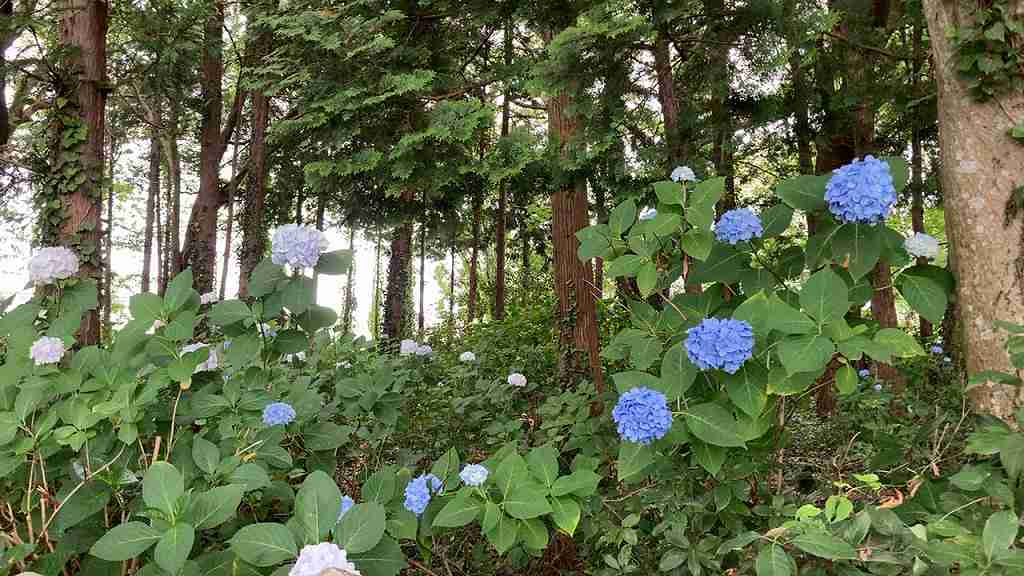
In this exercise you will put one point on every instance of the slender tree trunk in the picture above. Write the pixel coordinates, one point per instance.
(577, 317)
(420, 319)
(349, 304)
(158, 218)
(451, 288)
(230, 225)
(916, 168)
(981, 167)
(172, 242)
(395, 300)
(525, 240)
(375, 327)
(321, 208)
(254, 236)
(500, 217)
(152, 198)
(675, 147)
(83, 30)
(474, 257)
(108, 240)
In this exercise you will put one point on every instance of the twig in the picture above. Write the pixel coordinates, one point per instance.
(416, 564)
(79, 487)
(174, 416)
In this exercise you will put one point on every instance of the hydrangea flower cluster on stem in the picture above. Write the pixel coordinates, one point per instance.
(683, 174)
(920, 245)
(407, 347)
(516, 379)
(51, 264)
(46, 350)
(862, 191)
(298, 246)
(722, 343)
(315, 558)
(642, 415)
(278, 413)
(739, 225)
(418, 491)
(473, 475)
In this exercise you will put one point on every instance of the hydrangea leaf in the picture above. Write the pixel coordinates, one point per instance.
(713, 424)
(772, 560)
(361, 528)
(709, 457)
(316, 506)
(124, 542)
(669, 192)
(803, 192)
(747, 389)
(807, 353)
(698, 243)
(565, 513)
(776, 220)
(505, 533)
(384, 559)
(174, 547)
(543, 463)
(535, 534)
(677, 373)
(858, 247)
(633, 459)
(925, 296)
(824, 296)
(162, 486)
(215, 506)
(264, 544)
(622, 217)
(461, 510)
(526, 501)
(380, 486)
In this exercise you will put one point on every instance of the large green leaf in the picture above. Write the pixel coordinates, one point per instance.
(700, 210)
(581, 482)
(898, 343)
(772, 560)
(265, 543)
(747, 388)
(361, 528)
(298, 295)
(925, 296)
(803, 192)
(265, 278)
(162, 486)
(525, 502)
(214, 507)
(565, 513)
(698, 243)
(713, 424)
(824, 296)
(999, 534)
(228, 312)
(776, 220)
(505, 533)
(808, 353)
(543, 462)
(124, 542)
(724, 265)
(633, 459)
(669, 192)
(858, 246)
(146, 306)
(316, 506)
(677, 373)
(334, 263)
(824, 545)
(899, 171)
(325, 436)
(385, 559)
(174, 547)
(461, 510)
(622, 217)
(179, 292)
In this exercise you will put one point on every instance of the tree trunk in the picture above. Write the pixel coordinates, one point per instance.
(349, 305)
(981, 166)
(230, 224)
(500, 217)
(451, 288)
(375, 327)
(474, 257)
(152, 198)
(83, 30)
(199, 251)
(108, 240)
(525, 239)
(318, 223)
(158, 218)
(577, 317)
(675, 147)
(254, 236)
(420, 319)
(398, 278)
(916, 159)
(172, 241)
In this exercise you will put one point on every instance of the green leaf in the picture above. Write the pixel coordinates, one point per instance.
(846, 380)
(243, 350)
(205, 454)
(776, 220)
(534, 533)
(630, 379)
(669, 192)
(677, 373)
(461, 510)
(925, 296)
(265, 544)
(701, 202)
(504, 534)
(899, 171)
(713, 424)
(785, 319)
(625, 265)
(316, 506)
(525, 502)
(380, 486)
(724, 265)
(251, 476)
(664, 224)
(334, 263)
(298, 294)
(747, 388)
(647, 279)
(803, 192)
(214, 507)
(447, 467)
(999, 534)
(265, 278)
(543, 462)
(772, 560)
(581, 483)
(858, 246)
(1011, 455)
(162, 486)
(697, 242)
(491, 515)
(179, 292)
(146, 306)
(825, 296)
(385, 559)
(361, 528)
(824, 545)
(808, 353)
(633, 459)
(316, 318)
(622, 217)
(899, 343)
(511, 472)
(124, 542)
(174, 547)
(324, 436)
(228, 312)
(566, 514)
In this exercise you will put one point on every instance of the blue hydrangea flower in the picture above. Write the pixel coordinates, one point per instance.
(418, 491)
(861, 191)
(642, 415)
(720, 343)
(936, 349)
(298, 246)
(739, 225)
(346, 503)
(864, 372)
(473, 475)
(277, 413)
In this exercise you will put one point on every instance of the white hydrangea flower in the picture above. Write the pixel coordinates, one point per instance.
(467, 357)
(424, 350)
(516, 379)
(648, 213)
(314, 559)
(407, 347)
(208, 298)
(51, 264)
(157, 324)
(298, 246)
(683, 174)
(211, 361)
(920, 245)
(47, 350)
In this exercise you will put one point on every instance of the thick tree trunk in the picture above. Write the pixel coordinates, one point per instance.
(229, 226)
(577, 317)
(152, 198)
(981, 167)
(398, 278)
(474, 257)
(83, 29)
(254, 237)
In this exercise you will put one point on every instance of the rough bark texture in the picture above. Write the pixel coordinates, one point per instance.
(667, 99)
(474, 257)
(172, 159)
(253, 235)
(577, 317)
(83, 28)
(981, 166)
(398, 278)
(152, 197)
(6, 16)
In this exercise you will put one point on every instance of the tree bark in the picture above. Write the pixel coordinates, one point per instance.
(420, 318)
(318, 223)
(349, 304)
(675, 147)
(254, 236)
(398, 278)
(916, 158)
(172, 157)
(474, 257)
(577, 316)
(451, 288)
(152, 198)
(230, 224)
(108, 241)
(83, 30)
(500, 217)
(981, 166)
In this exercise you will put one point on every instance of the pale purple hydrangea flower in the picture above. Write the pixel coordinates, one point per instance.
(407, 347)
(51, 264)
(683, 174)
(474, 475)
(920, 245)
(297, 246)
(278, 414)
(314, 559)
(516, 379)
(739, 225)
(47, 350)
(418, 491)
